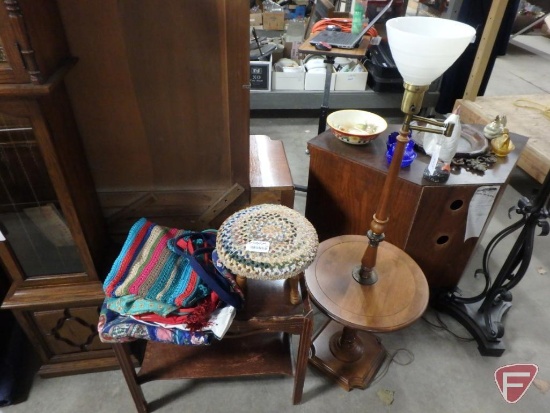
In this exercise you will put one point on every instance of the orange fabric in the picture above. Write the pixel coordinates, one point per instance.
(344, 24)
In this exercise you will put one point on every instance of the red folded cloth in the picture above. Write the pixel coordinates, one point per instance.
(195, 318)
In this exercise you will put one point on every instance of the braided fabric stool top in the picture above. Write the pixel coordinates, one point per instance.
(269, 242)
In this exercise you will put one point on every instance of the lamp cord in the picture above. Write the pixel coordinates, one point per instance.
(392, 358)
(529, 104)
(445, 327)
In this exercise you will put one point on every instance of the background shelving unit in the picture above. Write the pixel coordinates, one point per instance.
(367, 99)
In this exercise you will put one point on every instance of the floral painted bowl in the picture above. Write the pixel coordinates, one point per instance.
(356, 127)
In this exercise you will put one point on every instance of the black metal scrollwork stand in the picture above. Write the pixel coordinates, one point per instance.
(482, 314)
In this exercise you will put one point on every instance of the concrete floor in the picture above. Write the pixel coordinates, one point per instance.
(433, 371)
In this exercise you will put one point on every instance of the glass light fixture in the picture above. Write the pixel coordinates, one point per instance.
(424, 47)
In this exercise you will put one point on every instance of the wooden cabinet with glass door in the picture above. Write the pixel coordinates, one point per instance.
(52, 239)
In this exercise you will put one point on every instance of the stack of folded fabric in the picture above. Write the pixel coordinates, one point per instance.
(154, 293)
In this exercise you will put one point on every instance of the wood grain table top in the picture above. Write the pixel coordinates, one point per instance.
(396, 300)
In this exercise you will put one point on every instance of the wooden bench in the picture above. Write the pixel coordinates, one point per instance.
(270, 178)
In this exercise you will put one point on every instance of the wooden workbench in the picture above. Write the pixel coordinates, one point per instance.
(535, 158)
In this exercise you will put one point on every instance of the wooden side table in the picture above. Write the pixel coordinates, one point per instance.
(351, 354)
(257, 343)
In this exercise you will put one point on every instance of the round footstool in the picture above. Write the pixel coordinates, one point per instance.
(267, 242)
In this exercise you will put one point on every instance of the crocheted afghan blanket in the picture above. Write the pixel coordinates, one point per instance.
(120, 328)
(148, 267)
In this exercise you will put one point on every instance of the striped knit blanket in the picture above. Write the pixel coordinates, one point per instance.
(148, 267)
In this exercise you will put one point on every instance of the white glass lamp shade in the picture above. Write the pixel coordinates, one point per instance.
(424, 47)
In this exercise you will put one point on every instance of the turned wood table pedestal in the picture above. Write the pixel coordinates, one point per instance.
(346, 349)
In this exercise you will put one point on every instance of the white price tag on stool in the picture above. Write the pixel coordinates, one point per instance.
(257, 246)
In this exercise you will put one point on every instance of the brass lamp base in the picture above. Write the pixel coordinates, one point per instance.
(364, 275)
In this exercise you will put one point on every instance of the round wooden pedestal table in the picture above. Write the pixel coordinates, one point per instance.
(345, 348)
(267, 242)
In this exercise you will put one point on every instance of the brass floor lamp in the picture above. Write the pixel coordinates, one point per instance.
(362, 283)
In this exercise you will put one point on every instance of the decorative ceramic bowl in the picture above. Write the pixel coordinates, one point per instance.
(356, 127)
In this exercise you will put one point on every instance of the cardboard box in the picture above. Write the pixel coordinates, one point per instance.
(291, 50)
(289, 80)
(274, 20)
(256, 19)
(351, 80)
(316, 81)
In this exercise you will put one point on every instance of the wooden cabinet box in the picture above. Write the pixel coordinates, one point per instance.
(427, 220)
(161, 97)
